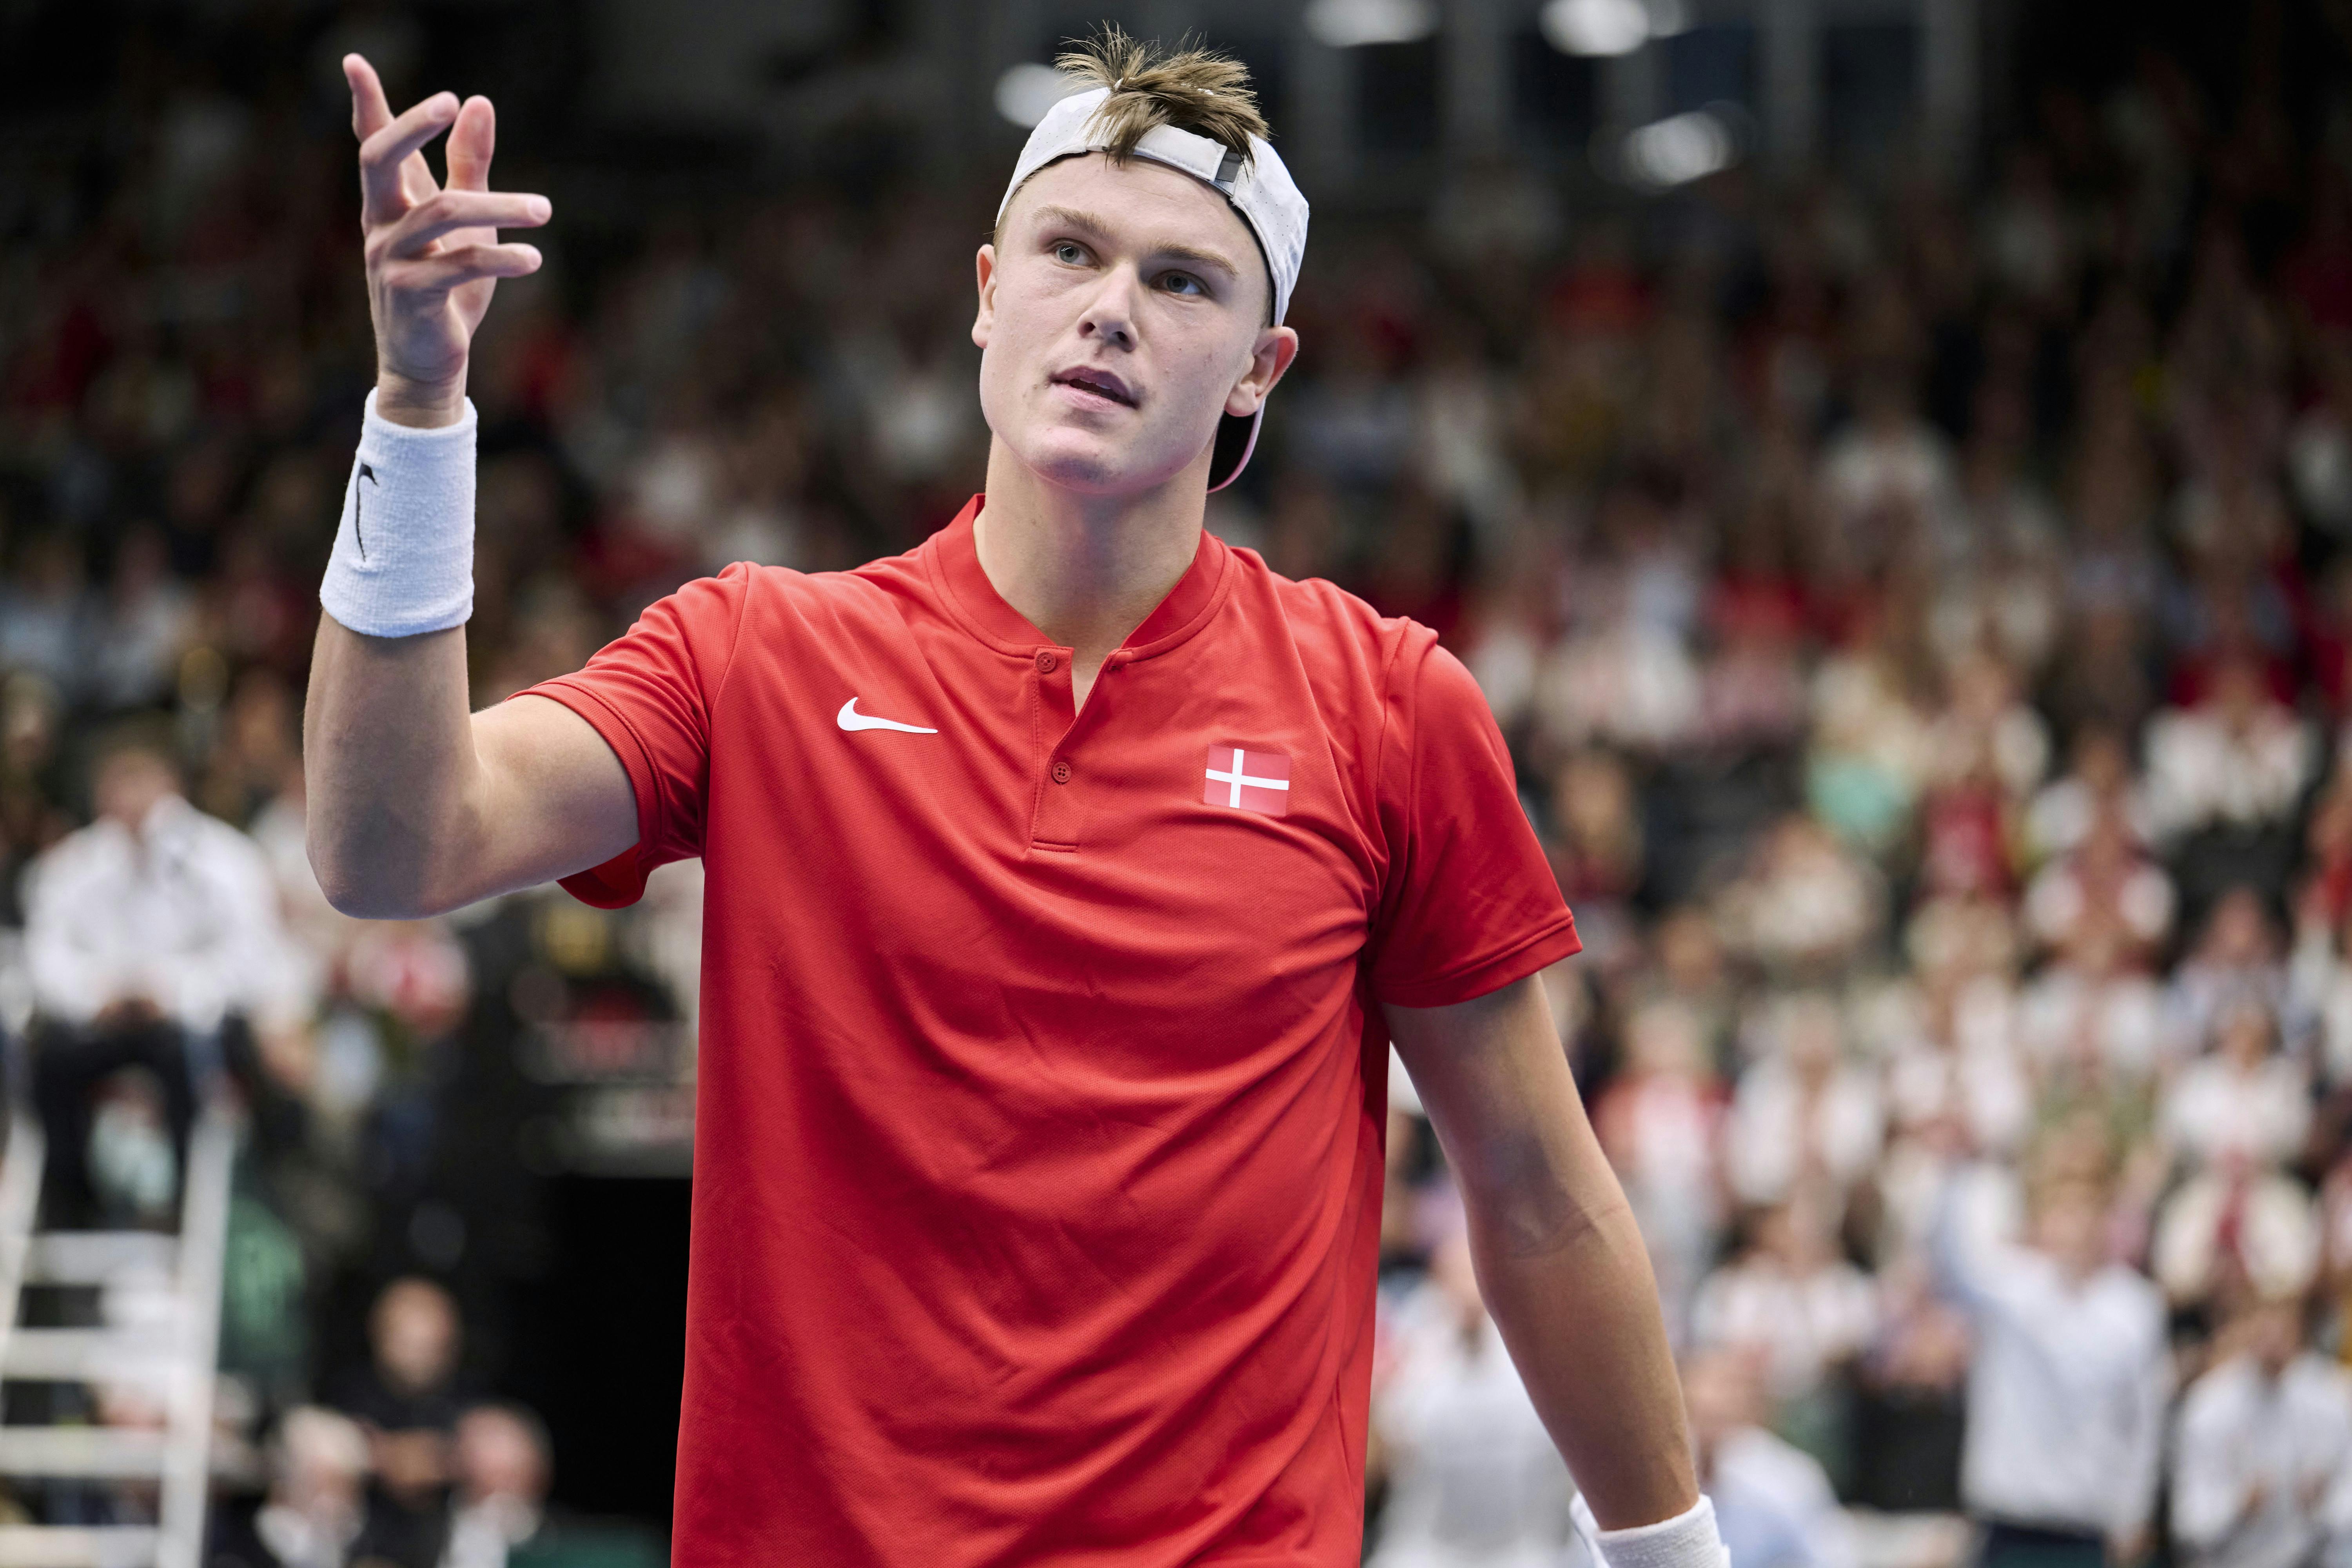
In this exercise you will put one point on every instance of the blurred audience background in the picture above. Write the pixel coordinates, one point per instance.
(1904, 530)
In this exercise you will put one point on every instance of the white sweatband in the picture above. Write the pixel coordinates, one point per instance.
(404, 558)
(1687, 1541)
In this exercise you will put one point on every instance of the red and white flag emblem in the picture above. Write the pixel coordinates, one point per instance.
(1254, 781)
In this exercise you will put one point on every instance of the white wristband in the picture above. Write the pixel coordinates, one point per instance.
(404, 558)
(1689, 1540)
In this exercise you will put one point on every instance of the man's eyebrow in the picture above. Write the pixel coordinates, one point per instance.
(1070, 217)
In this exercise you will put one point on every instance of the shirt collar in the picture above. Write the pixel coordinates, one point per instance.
(954, 564)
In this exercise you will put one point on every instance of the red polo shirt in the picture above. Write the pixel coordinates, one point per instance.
(1038, 1165)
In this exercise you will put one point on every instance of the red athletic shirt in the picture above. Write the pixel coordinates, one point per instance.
(1043, 1079)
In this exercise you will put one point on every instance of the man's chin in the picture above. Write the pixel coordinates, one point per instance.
(1069, 460)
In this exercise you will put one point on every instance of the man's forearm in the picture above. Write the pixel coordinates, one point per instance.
(1559, 1261)
(1579, 1308)
(388, 759)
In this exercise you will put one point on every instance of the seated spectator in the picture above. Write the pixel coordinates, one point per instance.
(2239, 759)
(2263, 1446)
(1953, 1079)
(1659, 1120)
(1871, 749)
(2103, 880)
(2246, 1106)
(2236, 953)
(498, 1509)
(1789, 1300)
(1773, 1505)
(1622, 681)
(2233, 1119)
(1473, 1475)
(1910, 1408)
(407, 1400)
(1594, 844)
(1752, 693)
(145, 932)
(2067, 1393)
(316, 1510)
(1987, 727)
(1804, 904)
(2098, 784)
(1805, 1118)
(2092, 1019)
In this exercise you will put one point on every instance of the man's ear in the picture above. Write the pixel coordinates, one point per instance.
(1276, 348)
(984, 267)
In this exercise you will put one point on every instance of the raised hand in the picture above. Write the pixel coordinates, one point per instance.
(433, 254)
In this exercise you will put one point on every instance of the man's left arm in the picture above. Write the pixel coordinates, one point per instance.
(1559, 1259)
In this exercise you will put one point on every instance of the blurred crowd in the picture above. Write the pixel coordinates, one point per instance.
(1922, 619)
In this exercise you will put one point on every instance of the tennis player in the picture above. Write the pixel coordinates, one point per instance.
(1067, 880)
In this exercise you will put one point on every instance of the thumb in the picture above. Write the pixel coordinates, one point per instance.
(471, 141)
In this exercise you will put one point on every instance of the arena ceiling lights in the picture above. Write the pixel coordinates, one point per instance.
(1352, 23)
(1603, 27)
(1027, 91)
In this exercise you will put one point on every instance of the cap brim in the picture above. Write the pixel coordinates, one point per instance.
(1237, 440)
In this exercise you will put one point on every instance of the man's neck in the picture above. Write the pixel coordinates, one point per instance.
(1085, 570)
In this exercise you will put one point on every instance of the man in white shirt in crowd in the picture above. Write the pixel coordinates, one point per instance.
(1773, 1505)
(145, 933)
(2264, 1448)
(2066, 1393)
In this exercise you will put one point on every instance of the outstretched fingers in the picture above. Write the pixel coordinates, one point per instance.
(385, 152)
(471, 141)
(450, 269)
(370, 110)
(446, 212)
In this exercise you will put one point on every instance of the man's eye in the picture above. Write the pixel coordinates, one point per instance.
(1069, 252)
(1182, 283)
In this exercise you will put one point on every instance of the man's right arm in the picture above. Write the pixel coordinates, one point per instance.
(415, 805)
(418, 806)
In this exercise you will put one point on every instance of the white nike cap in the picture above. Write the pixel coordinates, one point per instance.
(1260, 187)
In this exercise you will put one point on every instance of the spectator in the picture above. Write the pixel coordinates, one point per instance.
(2240, 759)
(2265, 1447)
(1474, 1479)
(406, 1400)
(146, 932)
(1772, 1501)
(1660, 1123)
(2067, 1393)
(315, 1512)
(1805, 1313)
(498, 1507)
(1805, 1118)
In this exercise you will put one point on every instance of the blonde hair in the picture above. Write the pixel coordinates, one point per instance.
(1193, 89)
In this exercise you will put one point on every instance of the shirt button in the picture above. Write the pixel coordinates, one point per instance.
(1046, 662)
(1061, 769)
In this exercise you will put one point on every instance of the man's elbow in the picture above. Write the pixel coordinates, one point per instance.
(367, 892)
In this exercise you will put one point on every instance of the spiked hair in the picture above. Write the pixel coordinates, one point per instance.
(1193, 89)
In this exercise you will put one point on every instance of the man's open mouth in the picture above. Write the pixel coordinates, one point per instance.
(1101, 382)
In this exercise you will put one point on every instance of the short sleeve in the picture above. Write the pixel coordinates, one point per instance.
(1468, 903)
(650, 693)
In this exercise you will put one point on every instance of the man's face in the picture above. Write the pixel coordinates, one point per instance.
(1122, 314)
(130, 784)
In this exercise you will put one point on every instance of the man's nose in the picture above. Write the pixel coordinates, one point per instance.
(1111, 314)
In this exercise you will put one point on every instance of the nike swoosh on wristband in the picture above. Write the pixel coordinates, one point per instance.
(849, 718)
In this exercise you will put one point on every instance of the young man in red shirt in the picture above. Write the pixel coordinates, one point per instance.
(1068, 878)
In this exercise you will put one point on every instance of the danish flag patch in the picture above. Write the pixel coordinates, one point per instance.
(1249, 780)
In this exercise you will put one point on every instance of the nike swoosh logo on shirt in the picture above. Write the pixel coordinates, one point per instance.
(849, 718)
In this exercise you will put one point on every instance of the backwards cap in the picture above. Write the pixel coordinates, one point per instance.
(1259, 187)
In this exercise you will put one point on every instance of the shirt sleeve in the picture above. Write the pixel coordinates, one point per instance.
(1468, 903)
(651, 694)
(72, 977)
